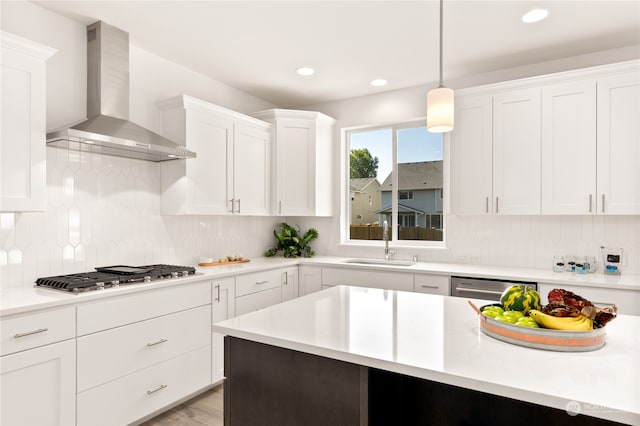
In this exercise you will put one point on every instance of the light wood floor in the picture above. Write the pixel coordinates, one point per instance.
(205, 409)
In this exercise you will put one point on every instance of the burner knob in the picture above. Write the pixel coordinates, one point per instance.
(147, 279)
(174, 275)
(185, 273)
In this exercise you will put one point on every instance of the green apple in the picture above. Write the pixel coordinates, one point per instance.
(506, 318)
(515, 314)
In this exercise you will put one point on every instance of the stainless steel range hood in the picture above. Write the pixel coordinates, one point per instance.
(108, 129)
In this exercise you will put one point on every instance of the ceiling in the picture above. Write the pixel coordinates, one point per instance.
(256, 46)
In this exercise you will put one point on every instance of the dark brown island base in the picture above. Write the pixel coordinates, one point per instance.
(268, 385)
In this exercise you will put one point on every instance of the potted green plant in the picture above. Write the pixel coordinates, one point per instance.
(291, 243)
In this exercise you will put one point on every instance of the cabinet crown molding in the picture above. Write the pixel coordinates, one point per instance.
(26, 46)
(559, 77)
(186, 101)
(291, 113)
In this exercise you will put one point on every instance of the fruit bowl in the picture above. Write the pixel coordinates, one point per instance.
(540, 338)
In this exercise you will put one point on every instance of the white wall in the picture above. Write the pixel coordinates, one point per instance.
(523, 241)
(104, 210)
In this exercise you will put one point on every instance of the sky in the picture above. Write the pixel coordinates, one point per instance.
(414, 145)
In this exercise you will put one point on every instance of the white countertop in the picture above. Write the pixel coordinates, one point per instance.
(438, 338)
(20, 299)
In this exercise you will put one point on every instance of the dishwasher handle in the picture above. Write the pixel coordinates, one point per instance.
(478, 290)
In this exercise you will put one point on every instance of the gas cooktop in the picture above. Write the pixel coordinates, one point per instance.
(113, 276)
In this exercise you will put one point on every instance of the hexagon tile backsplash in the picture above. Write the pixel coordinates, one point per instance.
(103, 211)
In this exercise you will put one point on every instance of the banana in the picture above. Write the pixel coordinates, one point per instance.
(579, 323)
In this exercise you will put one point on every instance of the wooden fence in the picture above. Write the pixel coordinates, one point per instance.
(374, 232)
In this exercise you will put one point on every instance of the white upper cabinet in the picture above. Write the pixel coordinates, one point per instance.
(516, 152)
(471, 152)
(23, 129)
(303, 162)
(231, 173)
(619, 144)
(569, 148)
(556, 144)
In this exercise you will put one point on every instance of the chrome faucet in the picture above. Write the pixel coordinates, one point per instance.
(385, 236)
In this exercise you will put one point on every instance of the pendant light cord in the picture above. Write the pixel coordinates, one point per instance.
(440, 82)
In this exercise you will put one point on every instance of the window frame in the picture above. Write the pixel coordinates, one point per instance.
(345, 205)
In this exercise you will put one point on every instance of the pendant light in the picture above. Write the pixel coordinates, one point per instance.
(440, 101)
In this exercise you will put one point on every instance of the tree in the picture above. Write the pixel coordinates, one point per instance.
(362, 164)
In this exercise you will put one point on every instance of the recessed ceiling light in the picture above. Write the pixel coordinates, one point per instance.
(305, 71)
(378, 82)
(534, 15)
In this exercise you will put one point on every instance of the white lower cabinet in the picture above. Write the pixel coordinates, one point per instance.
(137, 395)
(262, 299)
(290, 288)
(309, 279)
(125, 350)
(258, 290)
(38, 386)
(367, 278)
(142, 352)
(223, 307)
(432, 284)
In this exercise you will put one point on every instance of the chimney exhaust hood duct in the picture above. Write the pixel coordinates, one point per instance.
(108, 129)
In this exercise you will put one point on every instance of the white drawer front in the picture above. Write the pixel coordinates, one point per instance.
(118, 311)
(253, 302)
(367, 278)
(27, 331)
(123, 401)
(120, 351)
(260, 281)
(432, 284)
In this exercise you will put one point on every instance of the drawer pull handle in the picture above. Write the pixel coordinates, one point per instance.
(157, 343)
(29, 333)
(429, 286)
(159, 388)
(478, 290)
(262, 282)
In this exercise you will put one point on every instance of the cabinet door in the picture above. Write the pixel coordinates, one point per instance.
(253, 302)
(22, 133)
(223, 308)
(516, 152)
(471, 140)
(290, 283)
(38, 386)
(210, 175)
(618, 144)
(251, 183)
(295, 167)
(309, 279)
(569, 148)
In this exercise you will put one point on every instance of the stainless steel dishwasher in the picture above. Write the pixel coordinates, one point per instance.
(483, 288)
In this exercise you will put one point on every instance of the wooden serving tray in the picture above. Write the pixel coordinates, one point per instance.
(230, 262)
(541, 338)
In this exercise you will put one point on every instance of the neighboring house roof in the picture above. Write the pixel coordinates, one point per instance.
(415, 176)
(401, 209)
(360, 184)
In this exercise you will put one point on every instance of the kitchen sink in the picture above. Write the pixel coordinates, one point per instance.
(380, 262)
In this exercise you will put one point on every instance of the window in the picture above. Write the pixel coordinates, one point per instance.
(395, 175)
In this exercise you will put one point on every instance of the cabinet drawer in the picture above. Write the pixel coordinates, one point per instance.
(120, 351)
(367, 278)
(128, 309)
(260, 281)
(255, 301)
(432, 284)
(132, 397)
(28, 331)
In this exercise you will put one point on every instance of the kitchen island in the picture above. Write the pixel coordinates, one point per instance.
(353, 355)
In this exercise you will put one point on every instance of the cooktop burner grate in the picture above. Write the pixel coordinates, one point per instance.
(113, 276)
